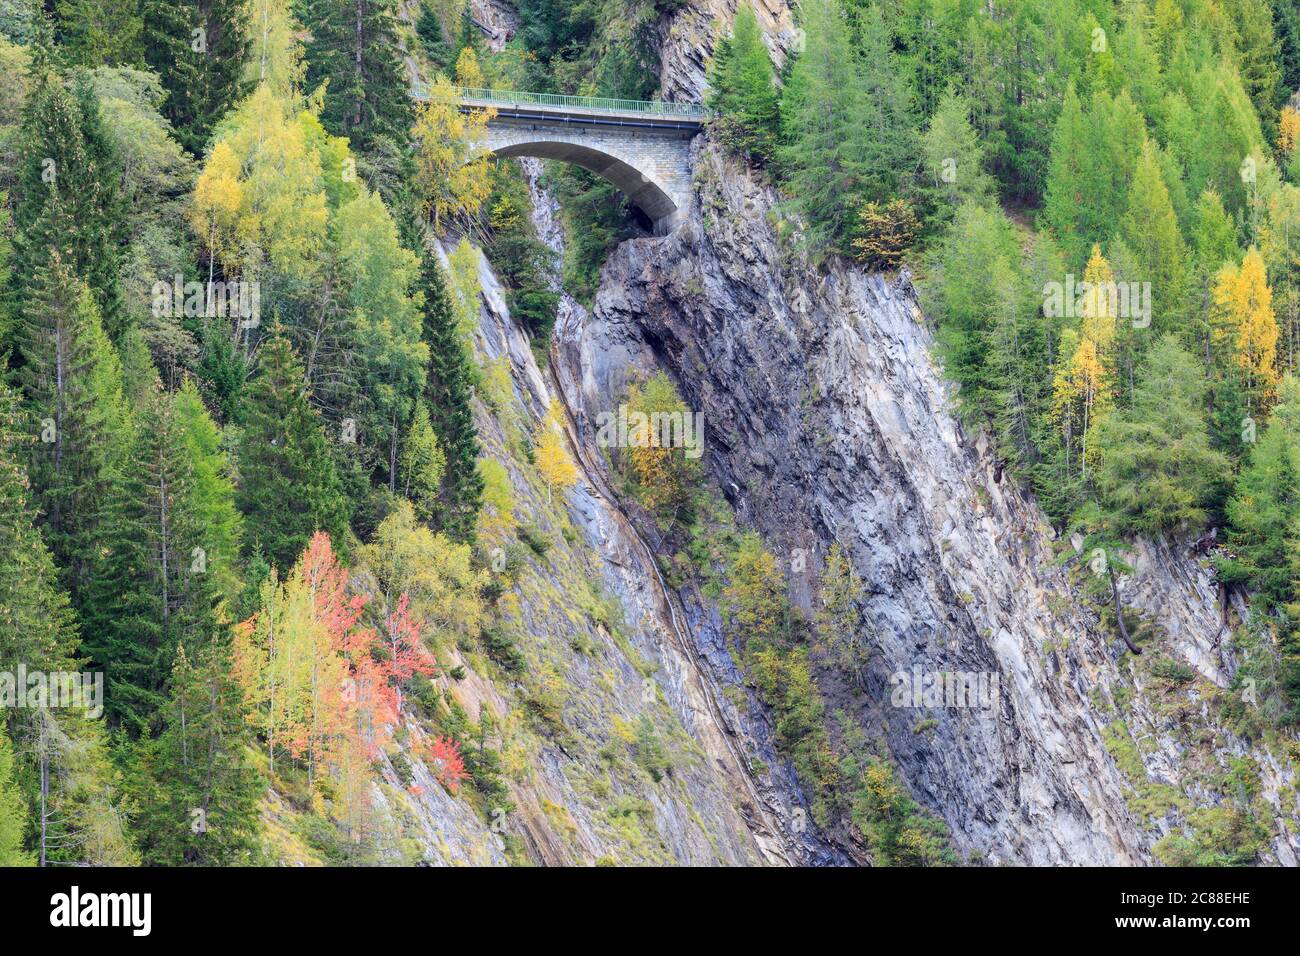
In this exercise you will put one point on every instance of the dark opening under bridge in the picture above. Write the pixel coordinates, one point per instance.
(641, 147)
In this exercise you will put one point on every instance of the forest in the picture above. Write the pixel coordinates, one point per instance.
(242, 475)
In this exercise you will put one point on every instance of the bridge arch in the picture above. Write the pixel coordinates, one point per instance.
(641, 147)
(655, 199)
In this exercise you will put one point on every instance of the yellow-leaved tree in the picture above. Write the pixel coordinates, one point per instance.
(552, 458)
(452, 164)
(1243, 317)
(263, 190)
(1083, 389)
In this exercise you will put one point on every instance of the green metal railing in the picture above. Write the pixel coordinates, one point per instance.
(595, 103)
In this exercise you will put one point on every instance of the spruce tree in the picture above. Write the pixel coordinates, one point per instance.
(197, 48)
(150, 586)
(36, 622)
(68, 196)
(197, 793)
(354, 48)
(448, 393)
(71, 380)
(289, 486)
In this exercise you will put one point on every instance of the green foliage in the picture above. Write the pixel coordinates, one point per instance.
(743, 95)
(846, 124)
(289, 486)
(67, 200)
(150, 588)
(525, 263)
(1158, 470)
(71, 380)
(897, 830)
(13, 810)
(447, 393)
(201, 71)
(195, 790)
(354, 50)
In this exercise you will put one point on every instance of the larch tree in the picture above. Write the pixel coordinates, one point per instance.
(1158, 469)
(1245, 322)
(550, 452)
(423, 464)
(743, 95)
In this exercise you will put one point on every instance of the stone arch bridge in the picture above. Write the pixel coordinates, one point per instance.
(642, 148)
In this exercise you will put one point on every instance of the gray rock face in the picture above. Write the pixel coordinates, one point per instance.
(826, 420)
(688, 38)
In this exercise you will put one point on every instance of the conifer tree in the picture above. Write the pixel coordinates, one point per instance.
(1150, 229)
(289, 487)
(71, 379)
(1158, 470)
(13, 809)
(743, 96)
(354, 48)
(151, 589)
(423, 464)
(68, 196)
(197, 47)
(1246, 325)
(448, 392)
(954, 158)
(198, 794)
(844, 118)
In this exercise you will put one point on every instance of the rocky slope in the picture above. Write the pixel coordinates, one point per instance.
(827, 421)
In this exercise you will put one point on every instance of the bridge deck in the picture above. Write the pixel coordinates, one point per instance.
(584, 110)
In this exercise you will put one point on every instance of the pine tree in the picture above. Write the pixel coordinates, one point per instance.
(448, 393)
(1264, 510)
(743, 96)
(36, 622)
(1263, 541)
(100, 32)
(197, 48)
(1084, 385)
(213, 494)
